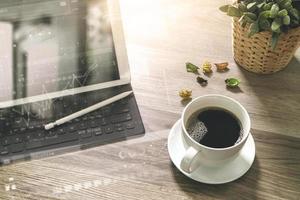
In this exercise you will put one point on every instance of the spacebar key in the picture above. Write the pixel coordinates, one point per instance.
(51, 141)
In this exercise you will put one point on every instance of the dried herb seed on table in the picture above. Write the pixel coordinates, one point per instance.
(207, 67)
(201, 81)
(190, 67)
(232, 82)
(185, 94)
(222, 66)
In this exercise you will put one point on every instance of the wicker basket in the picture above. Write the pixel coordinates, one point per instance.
(255, 53)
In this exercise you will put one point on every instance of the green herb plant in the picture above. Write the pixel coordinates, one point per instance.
(276, 16)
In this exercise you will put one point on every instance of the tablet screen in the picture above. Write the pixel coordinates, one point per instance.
(50, 46)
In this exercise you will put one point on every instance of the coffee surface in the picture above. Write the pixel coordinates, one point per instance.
(215, 127)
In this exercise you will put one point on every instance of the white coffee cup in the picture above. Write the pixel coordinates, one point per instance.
(212, 155)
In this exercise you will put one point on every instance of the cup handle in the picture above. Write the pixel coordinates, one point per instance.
(188, 158)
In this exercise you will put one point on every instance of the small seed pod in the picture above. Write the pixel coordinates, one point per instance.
(185, 94)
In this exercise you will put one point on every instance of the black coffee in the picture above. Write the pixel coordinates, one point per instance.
(215, 127)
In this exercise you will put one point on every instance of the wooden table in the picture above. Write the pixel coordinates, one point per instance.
(161, 36)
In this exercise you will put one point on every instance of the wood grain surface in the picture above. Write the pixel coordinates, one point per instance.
(161, 36)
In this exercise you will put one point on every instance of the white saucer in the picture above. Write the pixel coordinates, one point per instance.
(222, 173)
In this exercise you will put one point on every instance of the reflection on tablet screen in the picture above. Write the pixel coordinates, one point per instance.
(49, 46)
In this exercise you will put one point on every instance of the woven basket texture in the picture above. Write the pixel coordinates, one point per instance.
(255, 53)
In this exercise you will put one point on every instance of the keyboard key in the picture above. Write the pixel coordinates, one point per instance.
(99, 115)
(93, 124)
(85, 133)
(97, 131)
(51, 141)
(81, 132)
(17, 139)
(103, 122)
(23, 129)
(28, 137)
(124, 110)
(130, 125)
(10, 132)
(34, 144)
(38, 134)
(40, 126)
(17, 147)
(120, 109)
(108, 130)
(63, 138)
(15, 131)
(51, 133)
(5, 141)
(50, 137)
(72, 127)
(7, 124)
(3, 151)
(82, 126)
(121, 118)
(119, 128)
(60, 131)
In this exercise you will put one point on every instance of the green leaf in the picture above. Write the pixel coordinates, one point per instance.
(248, 20)
(286, 20)
(232, 82)
(283, 13)
(233, 12)
(275, 38)
(251, 15)
(251, 6)
(265, 14)
(224, 8)
(254, 28)
(268, 6)
(287, 5)
(274, 10)
(191, 68)
(243, 21)
(284, 2)
(276, 24)
(261, 5)
(294, 13)
(264, 24)
(279, 2)
(242, 7)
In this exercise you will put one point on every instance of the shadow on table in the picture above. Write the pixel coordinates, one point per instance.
(285, 79)
(279, 78)
(245, 187)
(235, 89)
(277, 95)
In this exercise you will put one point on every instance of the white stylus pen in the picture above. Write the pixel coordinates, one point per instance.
(87, 110)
